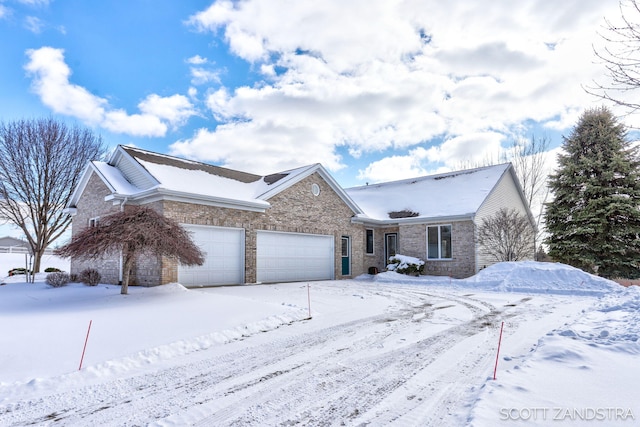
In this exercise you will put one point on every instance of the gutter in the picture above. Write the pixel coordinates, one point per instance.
(156, 193)
(413, 220)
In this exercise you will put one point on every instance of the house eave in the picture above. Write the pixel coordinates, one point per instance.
(161, 194)
(412, 221)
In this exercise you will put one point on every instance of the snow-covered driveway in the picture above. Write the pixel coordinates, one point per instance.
(404, 355)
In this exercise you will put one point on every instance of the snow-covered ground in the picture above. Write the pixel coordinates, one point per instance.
(11, 261)
(380, 350)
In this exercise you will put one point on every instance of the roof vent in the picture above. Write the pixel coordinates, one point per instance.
(405, 213)
(272, 179)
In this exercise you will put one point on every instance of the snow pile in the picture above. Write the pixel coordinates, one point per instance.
(521, 276)
(583, 368)
(530, 276)
(615, 321)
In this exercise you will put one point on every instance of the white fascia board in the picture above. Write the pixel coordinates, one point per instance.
(287, 182)
(411, 221)
(339, 190)
(70, 211)
(84, 180)
(158, 194)
(317, 167)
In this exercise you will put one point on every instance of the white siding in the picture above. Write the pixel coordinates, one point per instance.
(134, 173)
(504, 195)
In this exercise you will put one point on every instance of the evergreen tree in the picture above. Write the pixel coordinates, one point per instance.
(594, 220)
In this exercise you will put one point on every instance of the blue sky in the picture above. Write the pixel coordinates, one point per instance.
(374, 90)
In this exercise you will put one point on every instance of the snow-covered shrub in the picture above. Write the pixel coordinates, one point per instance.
(406, 265)
(90, 277)
(52, 270)
(57, 279)
(17, 270)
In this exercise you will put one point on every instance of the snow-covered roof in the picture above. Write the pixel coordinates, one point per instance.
(453, 194)
(114, 177)
(136, 174)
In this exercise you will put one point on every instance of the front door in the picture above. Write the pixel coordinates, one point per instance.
(390, 245)
(346, 252)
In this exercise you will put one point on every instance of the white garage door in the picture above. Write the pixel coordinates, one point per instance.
(224, 258)
(294, 257)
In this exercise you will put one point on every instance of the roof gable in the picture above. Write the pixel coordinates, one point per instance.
(291, 177)
(110, 176)
(447, 195)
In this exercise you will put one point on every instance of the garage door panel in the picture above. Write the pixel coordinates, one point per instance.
(288, 257)
(224, 257)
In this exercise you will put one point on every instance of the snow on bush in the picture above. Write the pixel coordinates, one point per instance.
(406, 265)
(57, 279)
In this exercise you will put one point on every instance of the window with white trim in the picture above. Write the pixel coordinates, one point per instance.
(93, 222)
(439, 242)
(369, 242)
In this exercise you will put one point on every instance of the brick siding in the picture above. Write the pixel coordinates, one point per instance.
(295, 209)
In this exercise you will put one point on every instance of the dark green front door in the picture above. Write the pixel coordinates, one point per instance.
(346, 261)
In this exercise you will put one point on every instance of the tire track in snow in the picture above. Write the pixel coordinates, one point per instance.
(274, 382)
(358, 380)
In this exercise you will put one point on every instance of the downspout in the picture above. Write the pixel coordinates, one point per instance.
(120, 260)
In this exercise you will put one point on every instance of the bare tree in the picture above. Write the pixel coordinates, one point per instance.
(529, 160)
(507, 236)
(135, 231)
(40, 164)
(621, 58)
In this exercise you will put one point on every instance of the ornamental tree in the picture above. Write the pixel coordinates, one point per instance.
(135, 231)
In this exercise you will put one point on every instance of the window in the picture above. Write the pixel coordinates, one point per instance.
(439, 242)
(93, 222)
(369, 242)
(391, 244)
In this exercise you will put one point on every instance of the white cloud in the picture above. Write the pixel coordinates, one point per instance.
(393, 168)
(4, 11)
(174, 109)
(118, 121)
(197, 60)
(35, 2)
(33, 24)
(473, 149)
(51, 83)
(199, 73)
(280, 145)
(455, 78)
(201, 76)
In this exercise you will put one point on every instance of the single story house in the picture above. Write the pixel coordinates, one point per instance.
(294, 225)
(435, 218)
(11, 245)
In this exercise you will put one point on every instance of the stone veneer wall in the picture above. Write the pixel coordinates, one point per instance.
(91, 204)
(412, 241)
